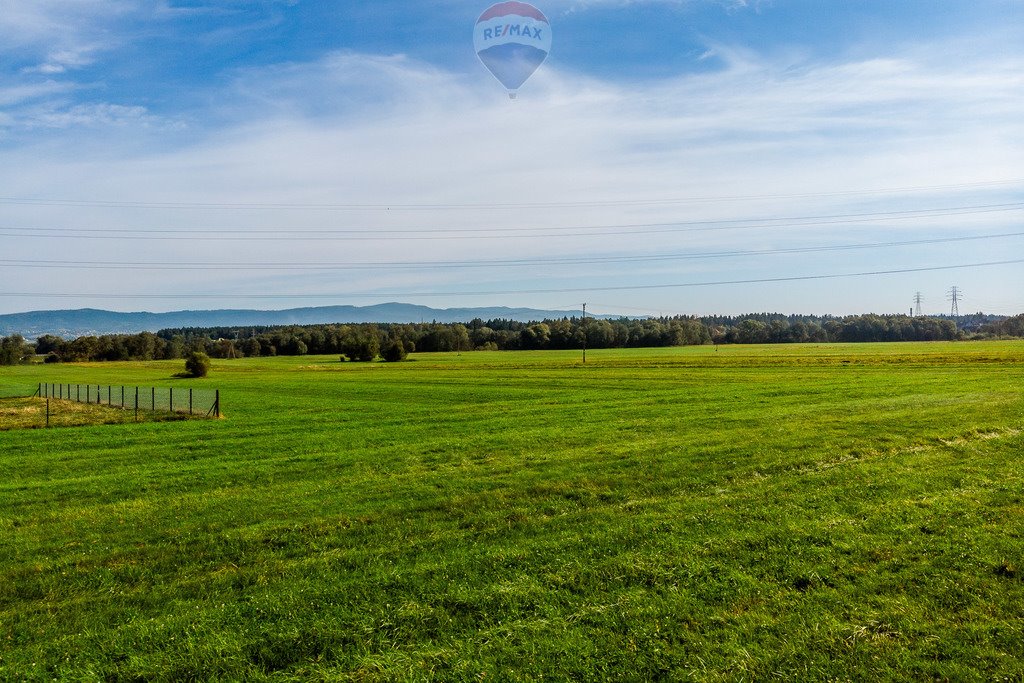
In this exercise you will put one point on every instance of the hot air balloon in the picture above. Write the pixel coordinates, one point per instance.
(512, 39)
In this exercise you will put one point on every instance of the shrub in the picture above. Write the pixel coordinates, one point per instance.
(197, 364)
(395, 352)
(363, 349)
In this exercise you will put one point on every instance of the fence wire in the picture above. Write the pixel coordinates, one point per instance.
(184, 401)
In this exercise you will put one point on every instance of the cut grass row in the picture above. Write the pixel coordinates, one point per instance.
(684, 513)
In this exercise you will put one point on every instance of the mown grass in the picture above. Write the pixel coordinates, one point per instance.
(801, 512)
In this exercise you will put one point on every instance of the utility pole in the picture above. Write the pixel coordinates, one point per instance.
(918, 298)
(954, 297)
(584, 328)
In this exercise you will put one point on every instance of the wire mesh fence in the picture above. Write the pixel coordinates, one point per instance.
(184, 401)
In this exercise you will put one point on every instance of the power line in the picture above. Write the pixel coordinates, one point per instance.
(501, 263)
(342, 234)
(559, 290)
(102, 203)
(880, 215)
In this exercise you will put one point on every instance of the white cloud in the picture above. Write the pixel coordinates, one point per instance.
(66, 31)
(368, 129)
(15, 95)
(61, 61)
(91, 115)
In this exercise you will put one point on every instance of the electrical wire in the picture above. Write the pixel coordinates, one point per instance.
(559, 290)
(292, 235)
(102, 203)
(503, 263)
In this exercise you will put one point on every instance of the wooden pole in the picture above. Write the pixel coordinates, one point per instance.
(584, 325)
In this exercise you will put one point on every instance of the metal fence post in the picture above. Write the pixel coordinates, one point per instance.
(216, 404)
(47, 411)
(136, 404)
(171, 398)
(122, 397)
(190, 401)
(153, 400)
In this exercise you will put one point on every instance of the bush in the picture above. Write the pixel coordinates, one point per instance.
(395, 352)
(363, 349)
(197, 364)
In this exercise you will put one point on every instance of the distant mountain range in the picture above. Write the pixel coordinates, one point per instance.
(89, 321)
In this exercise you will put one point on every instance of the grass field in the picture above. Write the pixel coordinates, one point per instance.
(846, 512)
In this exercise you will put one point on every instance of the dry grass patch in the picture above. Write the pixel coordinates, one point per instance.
(30, 413)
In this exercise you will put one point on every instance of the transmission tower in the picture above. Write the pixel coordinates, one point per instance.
(954, 296)
(918, 298)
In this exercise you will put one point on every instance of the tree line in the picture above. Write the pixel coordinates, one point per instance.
(370, 341)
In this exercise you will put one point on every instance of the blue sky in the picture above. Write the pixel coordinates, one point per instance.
(689, 156)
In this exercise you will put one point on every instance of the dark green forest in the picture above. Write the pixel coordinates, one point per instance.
(369, 341)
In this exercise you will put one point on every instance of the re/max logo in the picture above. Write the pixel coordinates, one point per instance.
(512, 30)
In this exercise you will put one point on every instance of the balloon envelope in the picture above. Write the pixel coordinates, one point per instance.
(512, 39)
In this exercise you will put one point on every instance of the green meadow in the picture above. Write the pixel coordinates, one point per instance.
(796, 512)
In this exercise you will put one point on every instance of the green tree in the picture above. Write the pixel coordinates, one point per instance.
(363, 346)
(14, 350)
(48, 343)
(395, 352)
(536, 336)
(175, 348)
(251, 347)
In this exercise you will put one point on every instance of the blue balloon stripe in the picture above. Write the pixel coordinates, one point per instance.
(512, 63)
